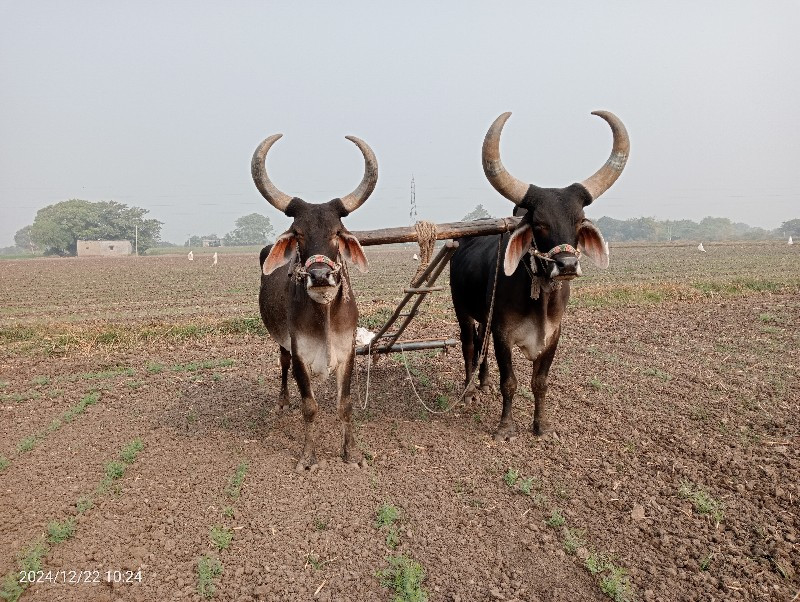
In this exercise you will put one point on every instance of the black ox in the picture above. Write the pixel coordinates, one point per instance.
(539, 258)
(308, 308)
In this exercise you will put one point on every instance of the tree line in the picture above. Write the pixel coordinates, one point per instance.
(58, 227)
(649, 229)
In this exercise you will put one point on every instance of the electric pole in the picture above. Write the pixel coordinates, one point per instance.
(412, 214)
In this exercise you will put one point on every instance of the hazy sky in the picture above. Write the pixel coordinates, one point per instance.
(161, 104)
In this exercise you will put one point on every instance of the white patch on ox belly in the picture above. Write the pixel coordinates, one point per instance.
(314, 355)
(322, 357)
(533, 337)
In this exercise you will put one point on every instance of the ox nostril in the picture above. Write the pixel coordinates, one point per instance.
(568, 263)
(319, 276)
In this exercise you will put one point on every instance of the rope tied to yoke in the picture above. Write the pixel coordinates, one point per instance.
(426, 237)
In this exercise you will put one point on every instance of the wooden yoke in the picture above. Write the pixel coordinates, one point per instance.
(482, 227)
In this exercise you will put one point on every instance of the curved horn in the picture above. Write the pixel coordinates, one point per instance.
(355, 199)
(276, 198)
(602, 180)
(503, 182)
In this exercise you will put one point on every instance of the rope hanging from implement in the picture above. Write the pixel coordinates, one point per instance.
(426, 236)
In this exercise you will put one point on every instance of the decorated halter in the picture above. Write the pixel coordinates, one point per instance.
(301, 271)
(335, 267)
(565, 248)
(543, 282)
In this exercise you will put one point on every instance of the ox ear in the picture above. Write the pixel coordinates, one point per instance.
(518, 245)
(351, 249)
(280, 253)
(591, 242)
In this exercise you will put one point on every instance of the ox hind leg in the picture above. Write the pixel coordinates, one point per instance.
(283, 398)
(507, 429)
(309, 407)
(344, 407)
(541, 369)
(468, 337)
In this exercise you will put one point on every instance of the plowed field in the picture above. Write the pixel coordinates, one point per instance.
(142, 457)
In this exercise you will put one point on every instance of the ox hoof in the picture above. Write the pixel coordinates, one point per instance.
(306, 465)
(353, 458)
(505, 433)
(541, 430)
(471, 395)
(485, 389)
(282, 405)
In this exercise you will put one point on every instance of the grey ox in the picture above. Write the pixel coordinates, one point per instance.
(538, 259)
(308, 308)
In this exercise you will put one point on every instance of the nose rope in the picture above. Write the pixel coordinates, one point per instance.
(334, 266)
(300, 272)
(543, 282)
(565, 248)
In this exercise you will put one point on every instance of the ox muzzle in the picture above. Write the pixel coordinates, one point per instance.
(559, 263)
(322, 277)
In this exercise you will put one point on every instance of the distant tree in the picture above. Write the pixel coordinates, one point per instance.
(252, 229)
(478, 213)
(57, 228)
(790, 228)
(23, 240)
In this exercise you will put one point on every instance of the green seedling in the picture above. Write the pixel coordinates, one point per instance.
(28, 443)
(30, 562)
(220, 536)
(573, 539)
(511, 477)
(404, 577)
(208, 568)
(84, 504)
(525, 486)
(130, 451)
(234, 487)
(616, 585)
(702, 501)
(556, 519)
(387, 516)
(58, 531)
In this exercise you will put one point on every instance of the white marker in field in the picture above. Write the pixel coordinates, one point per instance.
(415, 257)
(191, 256)
(700, 247)
(790, 241)
(215, 259)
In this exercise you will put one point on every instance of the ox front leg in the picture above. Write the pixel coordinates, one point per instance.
(508, 387)
(308, 405)
(344, 405)
(541, 369)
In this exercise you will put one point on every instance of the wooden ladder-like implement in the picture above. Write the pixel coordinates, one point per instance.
(385, 340)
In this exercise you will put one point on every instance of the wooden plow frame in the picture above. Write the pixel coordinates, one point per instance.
(386, 339)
